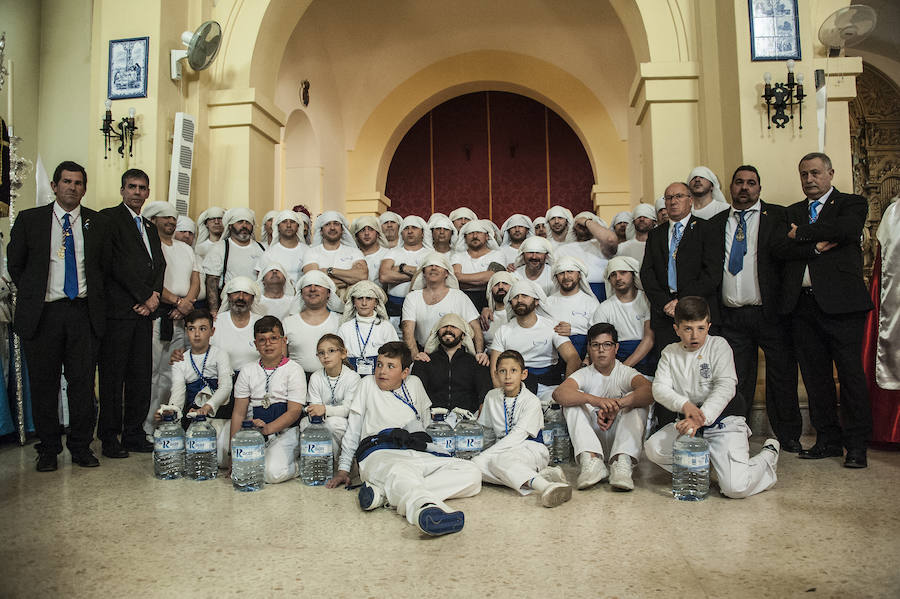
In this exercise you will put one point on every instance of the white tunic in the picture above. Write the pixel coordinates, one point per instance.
(710, 210)
(426, 316)
(544, 280)
(575, 309)
(342, 258)
(498, 321)
(237, 342)
(304, 337)
(368, 333)
(335, 393)
(215, 366)
(469, 265)
(628, 318)
(590, 253)
(179, 267)
(280, 307)
(286, 383)
(373, 261)
(633, 249)
(289, 258)
(400, 256)
(537, 344)
(241, 260)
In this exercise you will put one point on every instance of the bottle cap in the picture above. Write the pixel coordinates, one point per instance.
(168, 417)
(316, 420)
(200, 418)
(555, 406)
(247, 424)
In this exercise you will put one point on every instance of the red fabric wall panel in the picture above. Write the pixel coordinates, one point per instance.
(571, 177)
(518, 156)
(408, 182)
(460, 154)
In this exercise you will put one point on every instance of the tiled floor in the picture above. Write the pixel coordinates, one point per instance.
(823, 531)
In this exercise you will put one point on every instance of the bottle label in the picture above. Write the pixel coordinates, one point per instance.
(248, 453)
(200, 445)
(316, 448)
(162, 444)
(548, 436)
(692, 460)
(447, 443)
(469, 443)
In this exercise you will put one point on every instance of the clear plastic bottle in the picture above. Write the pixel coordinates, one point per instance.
(560, 444)
(316, 453)
(168, 449)
(248, 458)
(690, 468)
(469, 439)
(442, 434)
(490, 437)
(200, 461)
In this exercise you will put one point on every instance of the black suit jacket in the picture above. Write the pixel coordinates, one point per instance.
(768, 267)
(28, 257)
(698, 264)
(133, 274)
(836, 274)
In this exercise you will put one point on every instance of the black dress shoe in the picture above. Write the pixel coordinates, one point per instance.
(46, 462)
(138, 446)
(791, 446)
(114, 449)
(819, 451)
(856, 458)
(85, 458)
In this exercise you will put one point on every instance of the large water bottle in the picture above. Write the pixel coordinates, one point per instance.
(248, 458)
(690, 468)
(560, 444)
(200, 461)
(316, 453)
(168, 449)
(490, 437)
(441, 433)
(469, 439)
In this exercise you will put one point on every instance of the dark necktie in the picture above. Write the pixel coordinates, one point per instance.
(738, 245)
(70, 285)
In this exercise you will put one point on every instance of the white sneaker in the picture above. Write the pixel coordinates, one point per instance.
(593, 470)
(554, 474)
(556, 494)
(620, 475)
(775, 447)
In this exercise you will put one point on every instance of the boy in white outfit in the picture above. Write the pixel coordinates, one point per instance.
(397, 462)
(697, 378)
(272, 392)
(605, 406)
(519, 458)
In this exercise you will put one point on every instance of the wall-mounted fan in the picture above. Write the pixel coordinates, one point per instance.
(847, 26)
(202, 47)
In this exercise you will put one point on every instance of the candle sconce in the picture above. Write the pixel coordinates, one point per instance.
(782, 97)
(125, 133)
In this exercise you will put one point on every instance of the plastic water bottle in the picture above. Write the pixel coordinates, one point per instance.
(248, 458)
(316, 453)
(442, 433)
(560, 444)
(200, 462)
(490, 437)
(469, 439)
(168, 449)
(690, 468)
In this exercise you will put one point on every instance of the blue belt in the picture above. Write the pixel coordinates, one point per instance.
(599, 290)
(395, 300)
(580, 343)
(626, 348)
(270, 414)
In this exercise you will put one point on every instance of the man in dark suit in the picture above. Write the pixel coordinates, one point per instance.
(751, 290)
(133, 286)
(680, 260)
(826, 296)
(56, 257)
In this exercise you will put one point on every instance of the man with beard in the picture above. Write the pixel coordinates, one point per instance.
(534, 262)
(494, 315)
(334, 252)
(371, 242)
(516, 229)
(319, 314)
(390, 226)
(620, 224)
(234, 323)
(236, 257)
(477, 258)
(594, 245)
(540, 226)
(210, 229)
(285, 247)
(559, 221)
(443, 233)
(708, 197)
(452, 376)
(627, 309)
(644, 221)
(530, 331)
(400, 264)
(572, 303)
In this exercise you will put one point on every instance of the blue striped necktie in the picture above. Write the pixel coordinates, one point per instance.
(813, 211)
(673, 248)
(70, 285)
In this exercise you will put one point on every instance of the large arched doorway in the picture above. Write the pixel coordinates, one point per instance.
(498, 153)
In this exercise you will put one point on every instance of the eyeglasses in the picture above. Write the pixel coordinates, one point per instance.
(677, 196)
(327, 352)
(604, 346)
(269, 340)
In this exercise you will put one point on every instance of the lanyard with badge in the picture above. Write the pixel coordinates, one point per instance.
(508, 414)
(67, 232)
(267, 398)
(405, 399)
(334, 387)
(364, 365)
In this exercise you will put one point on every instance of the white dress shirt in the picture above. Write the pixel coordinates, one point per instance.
(742, 289)
(807, 282)
(56, 275)
(143, 232)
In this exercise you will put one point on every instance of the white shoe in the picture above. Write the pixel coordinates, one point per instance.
(620, 474)
(556, 494)
(553, 474)
(593, 470)
(775, 447)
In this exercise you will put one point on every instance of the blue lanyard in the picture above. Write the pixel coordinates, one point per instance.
(336, 383)
(202, 368)
(405, 399)
(507, 416)
(268, 374)
(363, 344)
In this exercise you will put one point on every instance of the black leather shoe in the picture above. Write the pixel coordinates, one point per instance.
(819, 451)
(138, 446)
(85, 458)
(46, 462)
(791, 446)
(114, 449)
(856, 458)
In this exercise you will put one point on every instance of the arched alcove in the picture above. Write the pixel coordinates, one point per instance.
(302, 164)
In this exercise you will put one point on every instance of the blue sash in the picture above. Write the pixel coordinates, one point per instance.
(192, 389)
(397, 301)
(599, 290)
(270, 414)
(580, 343)
(626, 348)
(548, 376)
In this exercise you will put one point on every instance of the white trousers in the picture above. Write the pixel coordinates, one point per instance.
(626, 435)
(512, 466)
(281, 456)
(337, 426)
(161, 376)
(411, 478)
(729, 453)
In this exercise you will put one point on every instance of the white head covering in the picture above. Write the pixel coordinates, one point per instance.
(306, 229)
(555, 211)
(365, 289)
(622, 217)
(622, 263)
(317, 277)
(660, 203)
(463, 212)
(233, 215)
(434, 259)
(442, 221)
(390, 216)
(288, 284)
(154, 209)
(415, 221)
(516, 220)
(706, 173)
(436, 216)
(202, 230)
(564, 263)
(475, 226)
(361, 222)
(185, 224)
(498, 236)
(331, 216)
(590, 216)
(645, 210)
(529, 288)
(452, 320)
(270, 214)
(538, 244)
(245, 284)
(502, 276)
(282, 216)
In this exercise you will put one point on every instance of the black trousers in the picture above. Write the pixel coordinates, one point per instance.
(821, 339)
(63, 339)
(125, 373)
(746, 329)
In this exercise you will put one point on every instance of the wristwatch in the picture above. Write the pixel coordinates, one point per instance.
(400, 268)
(330, 270)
